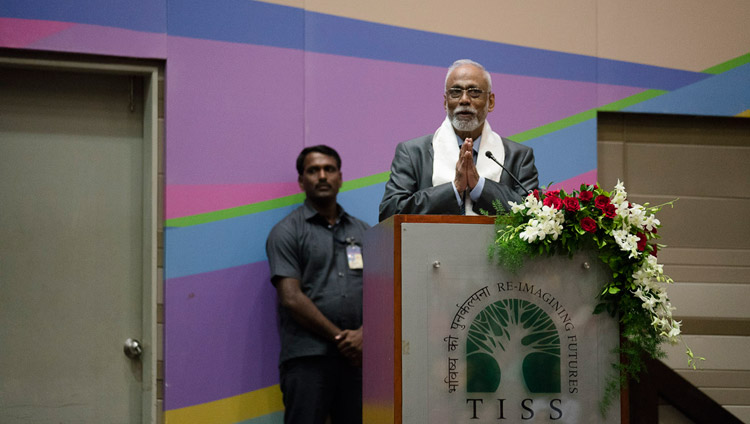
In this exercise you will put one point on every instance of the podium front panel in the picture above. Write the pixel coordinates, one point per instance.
(480, 344)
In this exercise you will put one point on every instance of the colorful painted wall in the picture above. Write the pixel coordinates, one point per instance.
(249, 84)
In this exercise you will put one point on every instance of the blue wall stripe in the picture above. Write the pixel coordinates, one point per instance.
(138, 15)
(238, 21)
(560, 155)
(363, 202)
(239, 241)
(242, 240)
(281, 26)
(725, 94)
(273, 418)
(566, 153)
(220, 244)
(349, 37)
(253, 22)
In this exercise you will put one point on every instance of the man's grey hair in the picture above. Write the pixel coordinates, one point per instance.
(462, 62)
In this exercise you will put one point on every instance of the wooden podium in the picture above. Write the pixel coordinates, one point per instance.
(450, 337)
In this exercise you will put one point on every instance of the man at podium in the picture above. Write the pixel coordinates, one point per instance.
(315, 258)
(455, 170)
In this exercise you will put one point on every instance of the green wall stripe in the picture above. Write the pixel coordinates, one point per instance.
(383, 177)
(266, 205)
(728, 65)
(585, 116)
(366, 181)
(207, 217)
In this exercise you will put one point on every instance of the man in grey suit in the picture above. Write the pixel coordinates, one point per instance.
(448, 172)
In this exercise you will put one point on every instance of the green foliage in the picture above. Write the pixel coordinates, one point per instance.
(509, 251)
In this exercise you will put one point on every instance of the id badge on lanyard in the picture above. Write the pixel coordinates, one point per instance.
(353, 254)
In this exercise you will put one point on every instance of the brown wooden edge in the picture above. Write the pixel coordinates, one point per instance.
(397, 337)
(660, 381)
(624, 392)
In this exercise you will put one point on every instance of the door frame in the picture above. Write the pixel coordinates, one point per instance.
(150, 75)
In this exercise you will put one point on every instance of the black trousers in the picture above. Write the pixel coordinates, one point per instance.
(315, 387)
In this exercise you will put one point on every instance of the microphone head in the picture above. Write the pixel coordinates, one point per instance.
(488, 154)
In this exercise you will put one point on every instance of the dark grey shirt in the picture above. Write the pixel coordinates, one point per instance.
(305, 247)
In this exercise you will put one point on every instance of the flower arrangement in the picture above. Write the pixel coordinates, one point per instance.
(556, 222)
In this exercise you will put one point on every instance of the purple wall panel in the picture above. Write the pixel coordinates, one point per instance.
(341, 109)
(364, 107)
(235, 112)
(222, 337)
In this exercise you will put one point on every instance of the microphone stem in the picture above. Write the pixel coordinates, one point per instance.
(491, 156)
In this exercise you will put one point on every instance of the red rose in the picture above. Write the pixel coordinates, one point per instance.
(588, 224)
(553, 202)
(610, 211)
(601, 202)
(586, 196)
(536, 194)
(641, 242)
(552, 193)
(654, 247)
(571, 204)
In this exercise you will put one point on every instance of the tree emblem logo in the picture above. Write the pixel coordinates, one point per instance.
(507, 329)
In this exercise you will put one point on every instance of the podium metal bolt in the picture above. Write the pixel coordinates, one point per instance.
(436, 264)
(586, 265)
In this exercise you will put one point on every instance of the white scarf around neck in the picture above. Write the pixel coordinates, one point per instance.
(446, 150)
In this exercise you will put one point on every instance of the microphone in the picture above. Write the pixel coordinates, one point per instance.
(491, 156)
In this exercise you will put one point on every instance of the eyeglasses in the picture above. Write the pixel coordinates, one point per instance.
(457, 93)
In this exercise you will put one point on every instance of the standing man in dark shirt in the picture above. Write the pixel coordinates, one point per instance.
(315, 256)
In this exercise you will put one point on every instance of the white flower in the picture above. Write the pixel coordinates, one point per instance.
(659, 323)
(533, 205)
(531, 232)
(546, 221)
(553, 228)
(650, 222)
(673, 333)
(620, 186)
(636, 215)
(627, 242)
(639, 294)
(649, 270)
(622, 209)
(620, 195)
(656, 269)
(515, 207)
(649, 303)
(641, 277)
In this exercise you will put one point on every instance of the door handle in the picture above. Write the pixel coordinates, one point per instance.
(133, 349)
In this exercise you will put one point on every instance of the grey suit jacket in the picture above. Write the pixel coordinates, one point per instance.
(409, 189)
